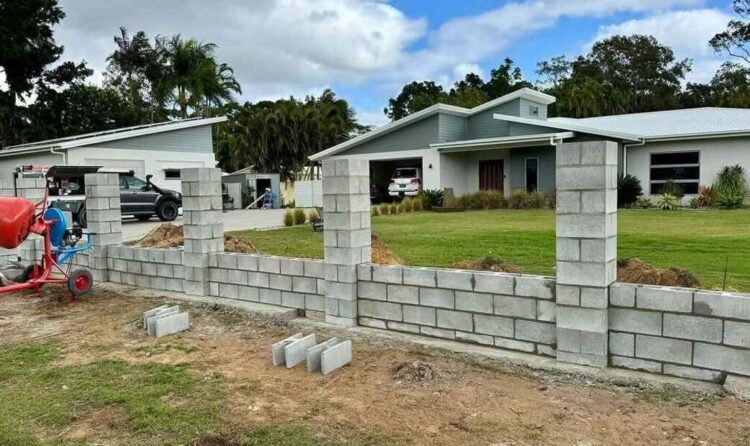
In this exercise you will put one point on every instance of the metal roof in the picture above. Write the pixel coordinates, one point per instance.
(109, 135)
(490, 143)
(671, 124)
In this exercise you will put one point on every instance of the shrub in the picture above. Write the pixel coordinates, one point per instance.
(394, 209)
(731, 186)
(374, 211)
(483, 199)
(289, 218)
(695, 203)
(673, 189)
(731, 199)
(432, 198)
(644, 203)
(384, 208)
(667, 202)
(521, 199)
(707, 196)
(418, 203)
(312, 216)
(299, 216)
(628, 190)
(408, 205)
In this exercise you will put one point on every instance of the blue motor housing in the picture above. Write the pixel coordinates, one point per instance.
(58, 227)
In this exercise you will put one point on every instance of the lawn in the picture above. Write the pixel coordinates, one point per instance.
(702, 242)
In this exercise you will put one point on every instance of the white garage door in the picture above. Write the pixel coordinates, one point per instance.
(137, 166)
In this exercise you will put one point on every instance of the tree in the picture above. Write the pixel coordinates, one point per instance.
(414, 97)
(730, 87)
(735, 38)
(504, 79)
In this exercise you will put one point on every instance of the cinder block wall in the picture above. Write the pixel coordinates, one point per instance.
(504, 310)
(160, 269)
(684, 332)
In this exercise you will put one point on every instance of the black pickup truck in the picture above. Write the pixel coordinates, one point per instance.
(139, 198)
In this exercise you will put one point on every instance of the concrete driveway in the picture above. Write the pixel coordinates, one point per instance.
(237, 220)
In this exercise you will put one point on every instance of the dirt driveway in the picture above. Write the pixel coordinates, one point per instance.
(393, 393)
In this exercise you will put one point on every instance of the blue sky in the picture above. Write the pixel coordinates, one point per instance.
(367, 49)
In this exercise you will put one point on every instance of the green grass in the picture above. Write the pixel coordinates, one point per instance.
(698, 241)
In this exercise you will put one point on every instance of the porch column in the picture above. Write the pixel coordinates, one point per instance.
(203, 225)
(586, 249)
(104, 219)
(346, 206)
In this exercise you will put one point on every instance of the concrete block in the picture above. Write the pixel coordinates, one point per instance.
(151, 321)
(594, 297)
(228, 290)
(420, 315)
(268, 296)
(380, 310)
(584, 226)
(387, 274)
(372, 323)
(693, 373)
(315, 302)
(403, 294)
(496, 283)
(152, 312)
(719, 357)
(635, 321)
(581, 178)
(455, 320)
(474, 338)
(535, 331)
(636, 364)
(335, 357)
(292, 300)
(239, 277)
(568, 202)
(455, 280)
(582, 359)
(737, 333)
(540, 288)
(734, 306)
(247, 262)
(292, 267)
(512, 344)
(278, 282)
(171, 324)
(304, 285)
(568, 295)
(315, 269)
(621, 344)
(584, 319)
(372, 290)
(296, 351)
(568, 249)
(664, 299)
(474, 302)
(515, 306)
(313, 354)
(433, 297)
(228, 261)
(663, 349)
(622, 295)
(248, 293)
(493, 325)
(738, 386)
(258, 279)
(277, 349)
(269, 264)
(546, 311)
(591, 274)
(420, 276)
(437, 332)
(691, 327)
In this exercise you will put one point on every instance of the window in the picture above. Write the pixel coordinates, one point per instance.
(533, 110)
(129, 182)
(171, 174)
(682, 168)
(532, 174)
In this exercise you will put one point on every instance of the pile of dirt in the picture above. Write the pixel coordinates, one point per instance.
(168, 235)
(488, 264)
(417, 371)
(635, 270)
(382, 255)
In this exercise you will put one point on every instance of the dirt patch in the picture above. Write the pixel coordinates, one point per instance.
(382, 255)
(635, 270)
(168, 235)
(418, 372)
(488, 264)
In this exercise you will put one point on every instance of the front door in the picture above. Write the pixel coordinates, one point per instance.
(491, 175)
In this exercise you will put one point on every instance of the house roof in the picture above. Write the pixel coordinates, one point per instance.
(526, 93)
(108, 135)
(485, 143)
(571, 125)
(670, 124)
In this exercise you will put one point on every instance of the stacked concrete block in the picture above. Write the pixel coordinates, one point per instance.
(346, 204)
(286, 282)
(104, 220)
(295, 352)
(160, 269)
(202, 224)
(325, 357)
(509, 311)
(586, 176)
(683, 332)
(165, 320)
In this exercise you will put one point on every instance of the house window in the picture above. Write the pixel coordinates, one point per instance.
(533, 110)
(682, 168)
(171, 174)
(532, 174)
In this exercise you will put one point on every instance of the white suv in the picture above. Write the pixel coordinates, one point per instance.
(406, 181)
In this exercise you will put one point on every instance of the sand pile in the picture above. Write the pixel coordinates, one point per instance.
(168, 235)
(488, 264)
(637, 271)
(382, 255)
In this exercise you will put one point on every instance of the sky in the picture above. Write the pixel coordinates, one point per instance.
(366, 50)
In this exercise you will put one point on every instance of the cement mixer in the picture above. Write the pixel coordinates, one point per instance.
(19, 219)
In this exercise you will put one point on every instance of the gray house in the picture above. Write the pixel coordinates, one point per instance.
(509, 144)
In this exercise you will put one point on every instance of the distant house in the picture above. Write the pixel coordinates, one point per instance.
(509, 144)
(158, 149)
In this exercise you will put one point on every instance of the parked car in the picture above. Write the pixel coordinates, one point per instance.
(377, 194)
(405, 181)
(139, 198)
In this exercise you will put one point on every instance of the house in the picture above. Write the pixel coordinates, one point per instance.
(509, 144)
(158, 149)
(253, 184)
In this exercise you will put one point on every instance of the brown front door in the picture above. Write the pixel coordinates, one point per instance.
(491, 175)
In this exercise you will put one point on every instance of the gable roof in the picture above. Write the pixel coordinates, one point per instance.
(108, 135)
(526, 93)
(571, 125)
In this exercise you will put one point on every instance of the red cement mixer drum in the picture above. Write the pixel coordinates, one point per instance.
(16, 218)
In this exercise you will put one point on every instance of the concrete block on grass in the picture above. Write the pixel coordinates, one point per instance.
(314, 353)
(335, 357)
(171, 324)
(296, 351)
(277, 350)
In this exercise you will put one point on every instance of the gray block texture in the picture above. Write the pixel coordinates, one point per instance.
(334, 357)
(296, 351)
(278, 354)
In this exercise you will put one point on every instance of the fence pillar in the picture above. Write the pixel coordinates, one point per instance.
(104, 219)
(586, 249)
(346, 206)
(202, 225)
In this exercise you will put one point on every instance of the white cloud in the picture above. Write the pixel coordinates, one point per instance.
(686, 32)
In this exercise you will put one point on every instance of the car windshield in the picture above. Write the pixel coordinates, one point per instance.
(405, 173)
(129, 182)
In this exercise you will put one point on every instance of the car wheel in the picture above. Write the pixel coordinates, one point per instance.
(81, 217)
(143, 217)
(167, 211)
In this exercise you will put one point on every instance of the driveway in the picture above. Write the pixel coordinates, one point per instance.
(233, 221)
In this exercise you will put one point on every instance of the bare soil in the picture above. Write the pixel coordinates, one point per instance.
(391, 388)
(382, 254)
(637, 271)
(168, 235)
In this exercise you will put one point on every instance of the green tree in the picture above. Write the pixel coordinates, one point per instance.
(414, 97)
(730, 87)
(504, 79)
(735, 38)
